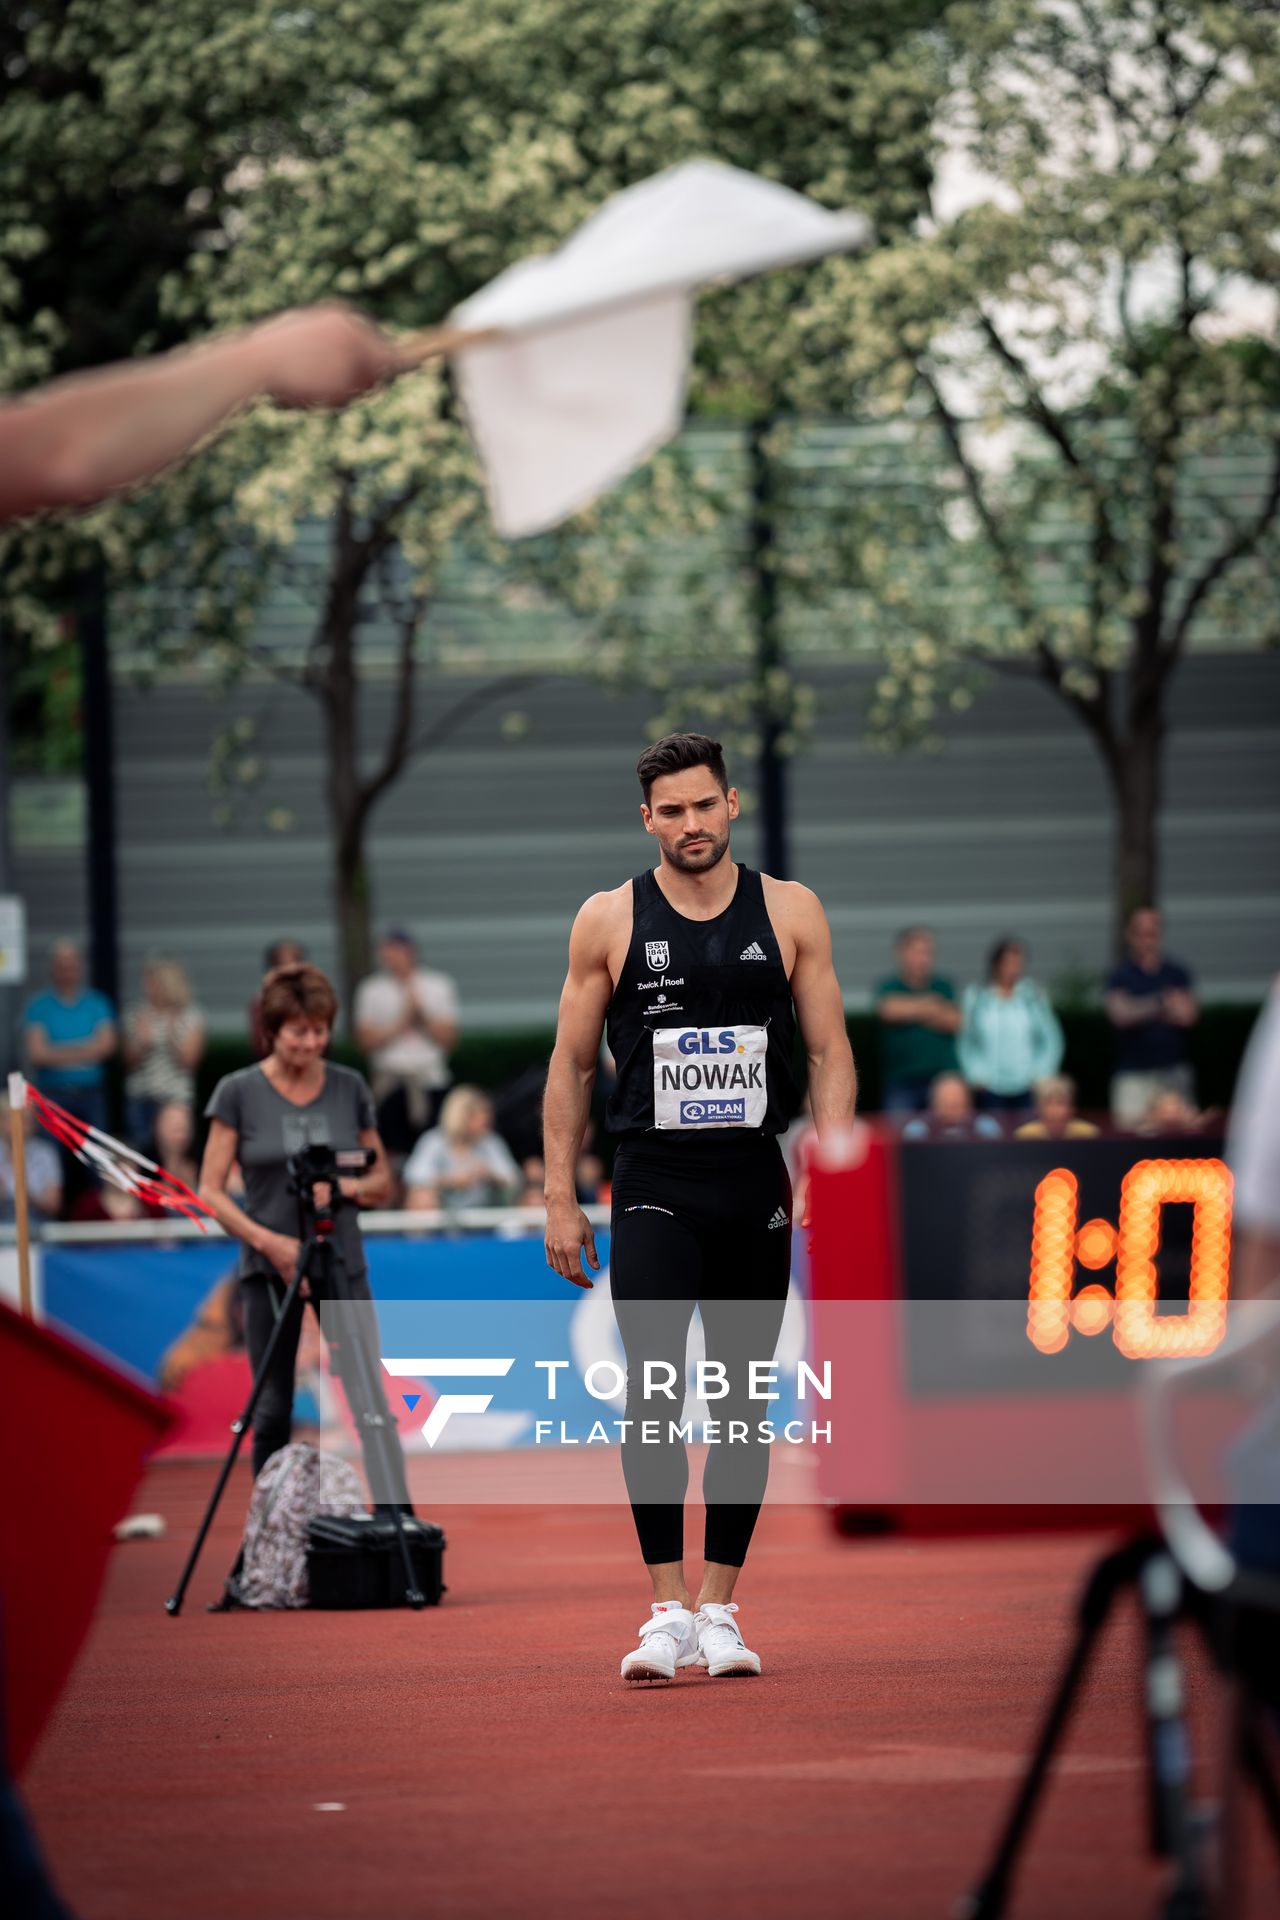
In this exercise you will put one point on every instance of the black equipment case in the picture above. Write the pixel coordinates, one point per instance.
(354, 1560)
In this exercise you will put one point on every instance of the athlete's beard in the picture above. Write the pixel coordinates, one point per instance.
(699, 859)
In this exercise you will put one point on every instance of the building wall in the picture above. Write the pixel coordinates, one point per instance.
(489, 844)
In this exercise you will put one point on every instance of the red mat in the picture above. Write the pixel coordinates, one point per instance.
(483, 1760)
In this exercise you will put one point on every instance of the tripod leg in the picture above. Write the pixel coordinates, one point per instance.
(1174, 1835)
(1253, 1758)
(364, 1394)
(173, 1605)
(990, 1897)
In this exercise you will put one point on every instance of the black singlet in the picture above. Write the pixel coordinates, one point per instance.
(701, 1024)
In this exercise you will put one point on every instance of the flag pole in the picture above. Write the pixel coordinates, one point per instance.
(18, 1154)
(416, 348)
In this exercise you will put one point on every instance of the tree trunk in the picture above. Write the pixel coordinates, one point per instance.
(338, 686)
(1136, 781)
(762, 534)
(352, 909)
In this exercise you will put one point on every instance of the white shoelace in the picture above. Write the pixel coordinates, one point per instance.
(715, 1623)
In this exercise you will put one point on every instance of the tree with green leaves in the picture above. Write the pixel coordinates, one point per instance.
(1074, 360)
(401, 152)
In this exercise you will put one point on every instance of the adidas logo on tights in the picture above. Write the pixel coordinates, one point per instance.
(754, 952)
(780, 1219)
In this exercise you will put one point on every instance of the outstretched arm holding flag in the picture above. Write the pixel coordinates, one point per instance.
(74, 442)
(572, 365)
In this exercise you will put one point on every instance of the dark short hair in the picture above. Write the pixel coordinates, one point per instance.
(297, 992)
(1007, 943)
(679, 753)
(271, 958)
(904, 934)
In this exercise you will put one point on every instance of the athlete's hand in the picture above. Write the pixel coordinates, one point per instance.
(570, 1241)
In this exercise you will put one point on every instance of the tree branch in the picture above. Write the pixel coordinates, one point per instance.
(470, 703)
(1006, 560)
(1244, 543)
(398, 748)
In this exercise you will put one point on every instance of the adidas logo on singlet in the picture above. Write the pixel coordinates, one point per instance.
(779, 1219)
(754, 952)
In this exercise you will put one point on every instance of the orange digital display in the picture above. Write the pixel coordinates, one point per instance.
(1059, 1244)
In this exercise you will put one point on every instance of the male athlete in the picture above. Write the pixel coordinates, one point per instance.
(702, 969)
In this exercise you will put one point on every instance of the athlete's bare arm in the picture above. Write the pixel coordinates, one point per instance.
(583, 1004)
(801, 927)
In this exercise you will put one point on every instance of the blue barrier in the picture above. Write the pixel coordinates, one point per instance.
(133, 1301)
(448, 1300)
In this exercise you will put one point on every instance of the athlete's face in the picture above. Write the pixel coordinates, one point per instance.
(689, 817)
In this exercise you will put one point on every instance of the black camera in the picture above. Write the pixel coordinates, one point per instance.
(316, 1165)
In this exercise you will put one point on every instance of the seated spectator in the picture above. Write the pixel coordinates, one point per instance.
(1010, 1037)
(950, 1115)
(533, 1172)
(282, 953)
(174, 1136)
(1056, 1117)
(1151, 1005)
(1170, 1112)
(69, 1034)
(163, 1046)
(43, 1169)
(406, 1021)
(108, 1203)
(919, 1020)
(462, 1162)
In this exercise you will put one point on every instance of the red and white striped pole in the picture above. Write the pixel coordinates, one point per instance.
(22, 1215)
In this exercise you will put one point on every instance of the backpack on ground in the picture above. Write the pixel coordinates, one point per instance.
(296, 1485)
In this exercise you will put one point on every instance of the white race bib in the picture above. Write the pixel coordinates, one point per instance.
(709, 1077)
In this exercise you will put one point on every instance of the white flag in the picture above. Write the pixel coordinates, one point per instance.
(584, 375)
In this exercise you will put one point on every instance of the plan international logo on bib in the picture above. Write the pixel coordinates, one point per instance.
(720, 1113)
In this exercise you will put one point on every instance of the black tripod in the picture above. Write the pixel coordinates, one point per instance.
(1176, 1831)
(315, 1173)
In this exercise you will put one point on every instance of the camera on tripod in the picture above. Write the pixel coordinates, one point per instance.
(317, 1165)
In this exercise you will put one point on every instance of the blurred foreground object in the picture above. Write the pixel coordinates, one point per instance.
(74, 442)
(573, 367)
(59, 1508)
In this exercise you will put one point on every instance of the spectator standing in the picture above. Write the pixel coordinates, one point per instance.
(69, 1033)
(1010, 1037)
(463, 1162)
(282, 953)
(950, 1114)
(163, 1045)
(43, 1167)
(919, 1020)
(1056, 1116)
(1151, 1005)
(406, 1021)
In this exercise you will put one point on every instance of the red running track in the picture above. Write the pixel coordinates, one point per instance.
(488, 1761)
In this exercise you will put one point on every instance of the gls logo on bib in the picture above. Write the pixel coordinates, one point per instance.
(709, 1077)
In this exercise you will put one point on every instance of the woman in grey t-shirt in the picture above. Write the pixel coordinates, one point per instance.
(261, 1117)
